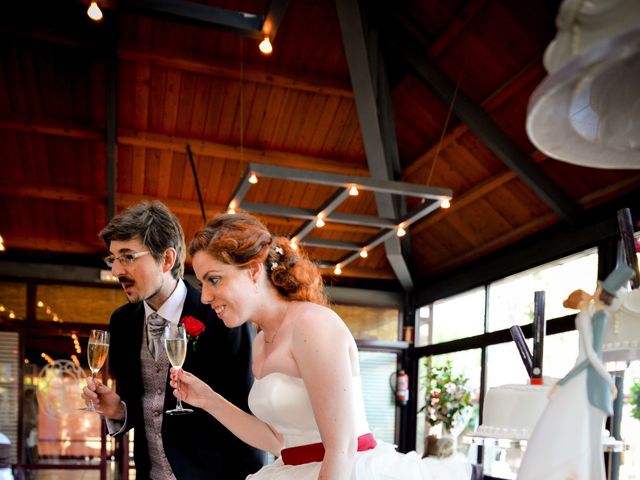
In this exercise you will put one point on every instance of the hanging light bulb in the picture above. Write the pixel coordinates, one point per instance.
(320, 222)
(2, 248)
(253, 178)
(12, 314)
(337, 270)
(364, 253)
(401, 231)
(94, 12)
(353, 191)
(231, 210)
(40, 304)
(265, 46)
(445, 203)
(294, 244)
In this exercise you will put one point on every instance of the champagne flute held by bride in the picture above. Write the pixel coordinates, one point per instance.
(175, 343)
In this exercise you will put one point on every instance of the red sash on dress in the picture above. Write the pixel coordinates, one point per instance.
(314, 452)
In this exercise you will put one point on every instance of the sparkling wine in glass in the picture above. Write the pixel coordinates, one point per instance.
(97, 350)
(175, 343)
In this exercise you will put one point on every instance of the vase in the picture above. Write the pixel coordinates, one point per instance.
(443, 445)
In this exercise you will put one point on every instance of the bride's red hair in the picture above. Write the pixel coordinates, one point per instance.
(240, 239)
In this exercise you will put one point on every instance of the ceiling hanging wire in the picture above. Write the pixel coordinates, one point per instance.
(195, 179)
(446, 125)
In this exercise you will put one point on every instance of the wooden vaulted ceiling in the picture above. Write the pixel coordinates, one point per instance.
(180, 83)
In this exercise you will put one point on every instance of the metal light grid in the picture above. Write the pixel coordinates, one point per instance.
(432, 199)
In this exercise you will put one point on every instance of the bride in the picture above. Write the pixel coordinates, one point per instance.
(306, 400)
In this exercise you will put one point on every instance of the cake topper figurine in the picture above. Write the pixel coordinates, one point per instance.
(567, 440)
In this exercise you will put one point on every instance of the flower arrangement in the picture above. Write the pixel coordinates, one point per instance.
(634, 399)
(194, 328)
(447, 395)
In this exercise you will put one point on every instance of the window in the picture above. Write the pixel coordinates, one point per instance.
(511, 299)
(13, 300)
(375, 370)
(469, 364)
(65, 303)
(370, 323)
(452, 318)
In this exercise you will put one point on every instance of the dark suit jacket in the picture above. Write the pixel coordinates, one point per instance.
(197, 446)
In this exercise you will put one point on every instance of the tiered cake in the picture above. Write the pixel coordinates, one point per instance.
(511, 411)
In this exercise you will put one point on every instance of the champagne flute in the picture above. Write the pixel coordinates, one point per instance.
(175, 343)
(97, 350)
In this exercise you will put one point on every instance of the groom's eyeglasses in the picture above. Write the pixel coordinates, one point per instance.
(125, 259)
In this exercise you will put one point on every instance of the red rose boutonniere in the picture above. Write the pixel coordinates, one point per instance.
(194, 328)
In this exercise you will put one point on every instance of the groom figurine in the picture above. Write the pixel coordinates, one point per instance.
(146, 254)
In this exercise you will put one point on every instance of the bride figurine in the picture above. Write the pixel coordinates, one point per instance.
(566, 443)
(307, 402)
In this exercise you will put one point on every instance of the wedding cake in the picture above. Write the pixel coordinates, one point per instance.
(511, 411)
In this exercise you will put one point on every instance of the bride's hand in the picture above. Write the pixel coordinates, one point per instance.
(191, 389)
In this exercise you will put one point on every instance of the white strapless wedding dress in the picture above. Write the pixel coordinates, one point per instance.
(283, 402)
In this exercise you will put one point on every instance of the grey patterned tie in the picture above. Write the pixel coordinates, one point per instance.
(155, 328)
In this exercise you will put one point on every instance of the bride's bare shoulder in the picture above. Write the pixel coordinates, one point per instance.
(311, 316)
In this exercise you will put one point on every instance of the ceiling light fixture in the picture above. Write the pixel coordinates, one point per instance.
(401, 231)
(353, 191)
(265, 46)
(320, 222)
(94, 12)
(253, 178)
(364, 253)
(294, 244)
(337, 270)
(445, 203)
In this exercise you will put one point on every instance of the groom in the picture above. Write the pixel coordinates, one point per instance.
(146, 254)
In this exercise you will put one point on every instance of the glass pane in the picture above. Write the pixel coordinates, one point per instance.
(13, 300)
(379, 402)
(511, 299)
(55, 432)
(9, 384)
(368, 323)
(455, 317)
(466, 363)
(630, 426)
(63, 303)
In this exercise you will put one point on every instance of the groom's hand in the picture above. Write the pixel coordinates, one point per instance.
(103, 399)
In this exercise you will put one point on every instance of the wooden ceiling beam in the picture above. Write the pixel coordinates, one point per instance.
(484, 127)
(532, 71)
(535, 225)
(48, 126)
(202, 64)
(231, 70)
(356, 272)
(53, 245)
(459, 23)
(51, 193)
(233, 152)
(473, 194)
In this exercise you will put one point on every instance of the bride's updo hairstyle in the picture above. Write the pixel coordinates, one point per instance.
(240, 239)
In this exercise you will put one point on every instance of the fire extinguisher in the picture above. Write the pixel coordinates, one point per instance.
(400, 387)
